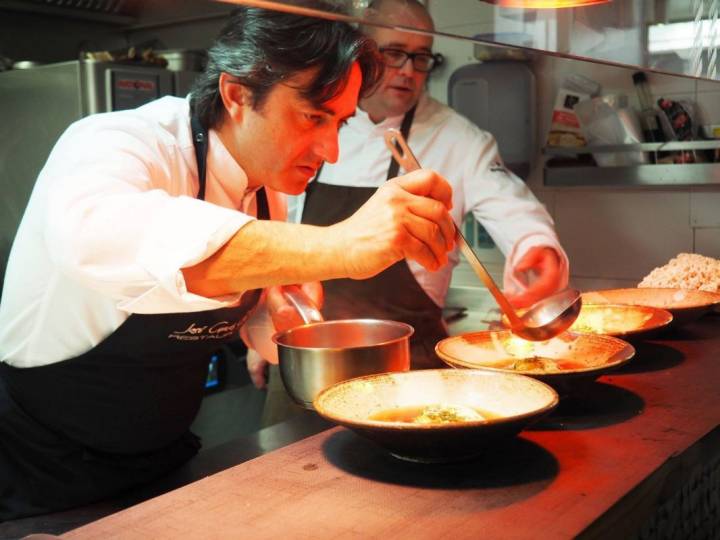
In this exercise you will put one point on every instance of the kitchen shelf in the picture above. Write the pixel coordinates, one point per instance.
(674, 174)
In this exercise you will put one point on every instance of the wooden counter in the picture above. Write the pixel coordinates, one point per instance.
(601, 466)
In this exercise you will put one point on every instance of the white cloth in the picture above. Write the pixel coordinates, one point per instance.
(468, 157)
(111, 221)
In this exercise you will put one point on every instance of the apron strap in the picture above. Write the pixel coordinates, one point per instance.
(261, 201)
(200, 142)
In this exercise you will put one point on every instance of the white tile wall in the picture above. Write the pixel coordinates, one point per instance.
(464, 13)
(705, 209)
(707, 242)
(621, 235)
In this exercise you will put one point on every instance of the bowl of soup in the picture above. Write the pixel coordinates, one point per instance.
(685, 305)
(436, 415)
(565, 362)
(619, 320)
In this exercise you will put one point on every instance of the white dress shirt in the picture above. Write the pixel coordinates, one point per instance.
(468, 158)
(112, 219)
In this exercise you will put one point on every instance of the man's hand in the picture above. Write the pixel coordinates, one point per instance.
(407, 217)
(542, 271)
(283, 314)
(257, 369)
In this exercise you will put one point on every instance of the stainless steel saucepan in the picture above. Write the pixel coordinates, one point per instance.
(321, 353)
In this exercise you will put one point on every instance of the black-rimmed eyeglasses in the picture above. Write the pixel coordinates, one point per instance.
(424, 62)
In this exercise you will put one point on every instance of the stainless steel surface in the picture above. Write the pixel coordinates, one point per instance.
(645, 147)
(38, 104)
(107, 86)
(119, 12)
(302, 304)
(546, 318)
(687, 174)
(184, 59)
(315, 356)
(26, 64)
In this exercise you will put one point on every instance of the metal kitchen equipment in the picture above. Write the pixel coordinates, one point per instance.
(320, 353)
(499, 96)
(37, 104)
(544, 319)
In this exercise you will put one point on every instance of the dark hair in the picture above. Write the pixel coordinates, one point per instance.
(261, 47)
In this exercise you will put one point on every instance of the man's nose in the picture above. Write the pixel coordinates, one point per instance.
(328, 147)
(408, 68)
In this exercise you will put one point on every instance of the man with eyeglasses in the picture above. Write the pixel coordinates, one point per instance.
(443, 141)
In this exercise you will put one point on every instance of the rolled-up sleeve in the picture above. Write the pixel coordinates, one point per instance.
(121, 218)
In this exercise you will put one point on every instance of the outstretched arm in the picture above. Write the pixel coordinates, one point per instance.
(406, 218)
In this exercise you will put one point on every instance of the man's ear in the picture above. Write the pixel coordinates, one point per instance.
(235, 96)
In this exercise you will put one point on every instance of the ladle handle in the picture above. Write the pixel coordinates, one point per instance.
(404, 156)
(305, 307)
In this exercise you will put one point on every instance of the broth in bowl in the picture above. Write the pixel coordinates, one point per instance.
(618, 320)
(561, 362)
(433, 414)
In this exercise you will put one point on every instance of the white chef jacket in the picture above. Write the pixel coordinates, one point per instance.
(112, 219)
(444, 141)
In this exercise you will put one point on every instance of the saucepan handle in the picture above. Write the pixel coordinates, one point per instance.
(305, 307)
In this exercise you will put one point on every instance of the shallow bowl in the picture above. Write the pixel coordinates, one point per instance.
(685, 305)
(619, 320)
(509, 402)
(575, 358)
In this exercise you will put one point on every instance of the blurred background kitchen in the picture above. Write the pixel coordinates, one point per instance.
(608, 111)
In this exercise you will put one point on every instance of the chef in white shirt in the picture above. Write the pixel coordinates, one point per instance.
(140, 253)
(442, 140)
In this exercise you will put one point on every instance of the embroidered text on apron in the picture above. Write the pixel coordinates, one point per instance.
(86, 428)
(392, 294)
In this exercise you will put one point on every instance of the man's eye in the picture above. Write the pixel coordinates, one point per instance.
(314, 118)
(394, 55)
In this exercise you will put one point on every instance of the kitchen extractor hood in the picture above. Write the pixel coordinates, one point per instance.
(110, 11)
(545, 4)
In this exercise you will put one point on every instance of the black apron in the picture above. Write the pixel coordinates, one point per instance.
(86, 428)
(392, 294)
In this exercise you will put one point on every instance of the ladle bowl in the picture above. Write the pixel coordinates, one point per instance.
(546, 318)
(550, 316)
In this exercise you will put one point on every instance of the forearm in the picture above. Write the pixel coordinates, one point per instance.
(265, 253)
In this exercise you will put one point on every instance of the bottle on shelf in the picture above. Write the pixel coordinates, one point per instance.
(652, 132)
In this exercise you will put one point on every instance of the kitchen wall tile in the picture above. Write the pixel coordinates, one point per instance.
(616, 235)
(707, 242)
(594, 284)
(661, 84)
(705, 209)
(708, 86)
(463, 13)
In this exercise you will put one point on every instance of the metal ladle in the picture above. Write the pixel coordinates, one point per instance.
(546, 318)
